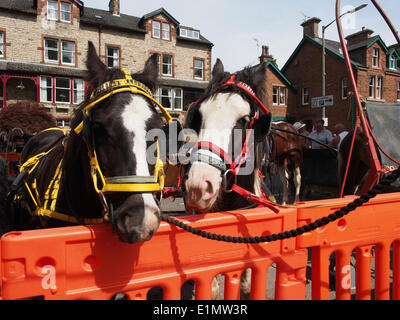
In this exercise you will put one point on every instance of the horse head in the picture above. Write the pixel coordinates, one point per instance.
(114, 130)
(230, 104)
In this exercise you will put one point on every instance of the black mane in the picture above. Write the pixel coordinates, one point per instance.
(252, 76)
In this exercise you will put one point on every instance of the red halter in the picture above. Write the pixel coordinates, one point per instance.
(226, 163)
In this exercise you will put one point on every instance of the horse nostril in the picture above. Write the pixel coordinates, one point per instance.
(208, 190)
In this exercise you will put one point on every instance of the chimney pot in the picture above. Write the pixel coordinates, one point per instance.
(265, 56)
(310, 27)
(114, 8)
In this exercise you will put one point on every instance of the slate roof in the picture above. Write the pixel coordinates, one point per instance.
(104, 18)
(27, 6)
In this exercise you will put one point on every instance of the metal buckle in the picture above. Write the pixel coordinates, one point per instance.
(224, 183)
(106, 211)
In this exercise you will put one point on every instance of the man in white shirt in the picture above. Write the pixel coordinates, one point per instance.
(320, 134)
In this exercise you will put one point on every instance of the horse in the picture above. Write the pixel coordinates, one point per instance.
(228, 115)
(285, 152)
(98, 171)
(360, 164)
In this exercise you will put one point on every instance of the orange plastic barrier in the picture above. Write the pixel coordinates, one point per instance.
(371, 233)
(91, 263)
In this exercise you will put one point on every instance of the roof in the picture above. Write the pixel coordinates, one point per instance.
(130, 23)
(156, 13)
(275, 69)
(41, 69)
(106, 18)
(27, 6)
(333, 48)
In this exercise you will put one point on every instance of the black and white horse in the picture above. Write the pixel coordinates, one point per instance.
(117, 128)
(230, 110)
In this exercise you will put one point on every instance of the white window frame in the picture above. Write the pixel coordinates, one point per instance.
(51, 10)
(78, 93)
(62, 88)
(178, 94)
(197, 68)
(344, 88)
(183, 32)
(63, 123)
(187, 33)
(47, 49)
(372, 82)
(169, 66)
(379, 85)
(156, 29)
(2, 44)
(375, 57)
(174, 95)
(275, 95)
(45, 86)
(116, 60)
(73, 52)
(305, 92)
(165, 31)
(63, 6)
(392, 62)
(282, 94)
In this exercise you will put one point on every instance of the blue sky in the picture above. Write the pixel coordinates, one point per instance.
(232, 25)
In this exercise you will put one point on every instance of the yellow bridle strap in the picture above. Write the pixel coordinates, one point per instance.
(131, 183)
(42, 212)
(123, 85)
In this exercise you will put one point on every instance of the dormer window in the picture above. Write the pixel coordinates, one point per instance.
(392, 62)
(156, 29)
(65, 12)
(52, 10)
(161, 30)
(166, 32)
(58, 11)
(375, 57)
(188, 33)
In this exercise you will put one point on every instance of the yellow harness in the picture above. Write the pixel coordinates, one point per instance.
(131, 184)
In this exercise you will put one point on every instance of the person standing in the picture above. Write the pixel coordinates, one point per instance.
(320, 134)
(301, 128)
(340, 133)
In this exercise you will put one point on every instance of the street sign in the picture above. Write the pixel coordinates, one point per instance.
(320, 102)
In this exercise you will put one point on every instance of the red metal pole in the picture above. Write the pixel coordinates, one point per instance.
(376, 169)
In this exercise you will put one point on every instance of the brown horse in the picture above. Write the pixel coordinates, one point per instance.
(285, 153)
(360, 165)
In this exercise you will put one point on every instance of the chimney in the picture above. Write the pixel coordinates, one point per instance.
(357, 37)
(265, 56)
(310, 27)
(113, 6)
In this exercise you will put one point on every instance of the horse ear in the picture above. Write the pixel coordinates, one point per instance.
(218, 71)
(94, 65)
(258, 79)
(261, 127)
(150, 72)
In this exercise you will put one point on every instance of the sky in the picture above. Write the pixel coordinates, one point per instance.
(239, 28)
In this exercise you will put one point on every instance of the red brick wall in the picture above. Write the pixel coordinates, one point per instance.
(274, 80)
(305, 71)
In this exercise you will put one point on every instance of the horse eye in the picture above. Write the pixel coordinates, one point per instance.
(244, 120)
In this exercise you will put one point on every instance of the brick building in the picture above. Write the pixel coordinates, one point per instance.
(376, 67)
(278, 88)
(43, 45)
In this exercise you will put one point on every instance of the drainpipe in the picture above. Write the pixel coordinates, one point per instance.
(99, 41)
